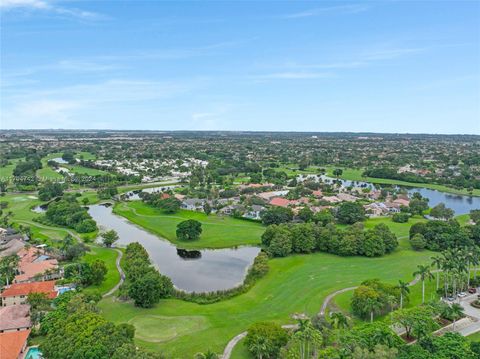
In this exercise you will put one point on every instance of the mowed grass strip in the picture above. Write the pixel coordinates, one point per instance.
(159, 328)
(218, 232)
(296, 284)
(109, 256)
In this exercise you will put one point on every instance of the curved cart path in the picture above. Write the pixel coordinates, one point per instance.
(231, 344)
(122, 274)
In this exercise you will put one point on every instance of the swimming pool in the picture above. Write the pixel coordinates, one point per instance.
(34, 353)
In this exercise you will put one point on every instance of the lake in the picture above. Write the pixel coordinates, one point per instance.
(190, 270)
(134, 195)
(461, 204)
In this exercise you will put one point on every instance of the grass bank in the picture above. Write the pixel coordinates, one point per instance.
(218, 232)
(109, 256)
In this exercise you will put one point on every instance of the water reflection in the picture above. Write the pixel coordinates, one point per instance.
(186, 254)
(193, 271)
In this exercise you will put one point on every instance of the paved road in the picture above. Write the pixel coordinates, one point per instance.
(471, 312)
(231, 344)
(329, 298)
(122, 274)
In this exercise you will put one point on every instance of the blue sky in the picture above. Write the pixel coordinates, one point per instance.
(392, 66)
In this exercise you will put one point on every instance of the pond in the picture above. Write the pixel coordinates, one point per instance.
(134, 195)
(192, 271)
(59, 160)
(40, 208)
(461, 204)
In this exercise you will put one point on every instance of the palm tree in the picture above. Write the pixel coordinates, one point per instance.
(391, 301)
(208, 355)
(372, 305)
(456, 312)
(437, 261)
(8, 266)
(475, 261)
(259, 347)
(404, 291)
(339, 320)
(424, 273)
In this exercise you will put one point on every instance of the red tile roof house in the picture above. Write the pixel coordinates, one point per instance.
(13, 344)
(317, 194)
(14, 318)
(402, 202)
(35, 265)
(164, 196)
(17, 293)
(279, 201)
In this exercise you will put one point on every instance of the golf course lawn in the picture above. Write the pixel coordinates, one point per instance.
(21, 207)
(240, 351)
(218, 232)
(112, 277)
(6, 172)
(474, 337)
(294, 284)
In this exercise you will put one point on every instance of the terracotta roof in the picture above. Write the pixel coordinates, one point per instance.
(30, 270)
(28, 255)
(279, 201)
(11, 343)
(17, 289)
(15, 317)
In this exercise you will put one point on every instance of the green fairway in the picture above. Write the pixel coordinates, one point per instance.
(240, 351)
(86, 156)
(218, 232)
(474, 337)
(157, 328)
(80, 170)
(49, 173)
(21, 208)
(294, 284)
(6, 172)
(109, 256)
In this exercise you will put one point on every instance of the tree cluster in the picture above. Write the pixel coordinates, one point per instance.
(76, 329)
(86, 274)
(441, 235)
(144, 284)
(68, 212)
(50, 190)
(282, 240)
(374, 297)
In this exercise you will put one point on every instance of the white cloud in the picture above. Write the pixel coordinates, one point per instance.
(41, 5)
(301, 75)
(294, 70)
(344, 9)
(34, 114)
(70, 106)
(391, 53)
